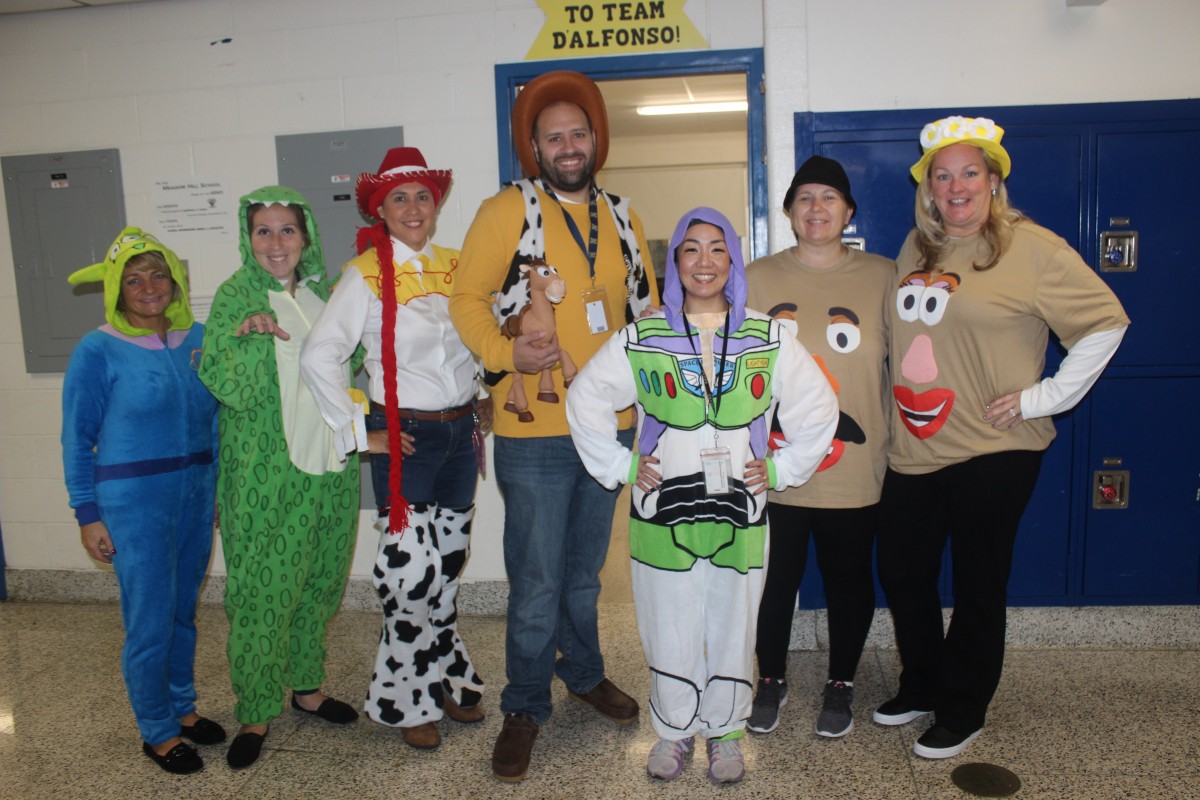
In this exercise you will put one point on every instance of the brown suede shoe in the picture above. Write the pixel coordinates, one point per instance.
(609, 701)
(459, 714)
(514, 745)
(422, 737)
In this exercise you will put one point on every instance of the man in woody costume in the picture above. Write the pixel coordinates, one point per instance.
(557, 518)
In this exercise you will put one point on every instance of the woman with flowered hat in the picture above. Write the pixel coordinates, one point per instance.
(138, 455)
(393, 300)
(289, 504)
(980, 289)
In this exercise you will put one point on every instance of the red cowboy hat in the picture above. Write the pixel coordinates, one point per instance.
(554, 87)
(400, 165)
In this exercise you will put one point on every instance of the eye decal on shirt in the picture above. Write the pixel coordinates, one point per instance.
(924, 296)
(843, 333)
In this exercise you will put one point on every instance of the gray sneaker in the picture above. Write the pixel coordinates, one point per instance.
(726, 764)
(668, 758)
(836, 719)
(769, 700)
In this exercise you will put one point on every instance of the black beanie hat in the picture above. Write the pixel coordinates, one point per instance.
(824, 171)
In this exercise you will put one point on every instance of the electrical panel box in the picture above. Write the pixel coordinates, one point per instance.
(64, 210)
(324, 168)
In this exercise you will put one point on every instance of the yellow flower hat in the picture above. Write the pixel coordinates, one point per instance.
(980, 132)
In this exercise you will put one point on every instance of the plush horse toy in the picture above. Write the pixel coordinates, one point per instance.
(546, 289)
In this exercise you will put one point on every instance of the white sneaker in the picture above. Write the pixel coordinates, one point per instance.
(726, 764)
(667, 758)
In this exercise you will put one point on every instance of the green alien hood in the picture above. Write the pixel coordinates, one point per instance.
(129, 243)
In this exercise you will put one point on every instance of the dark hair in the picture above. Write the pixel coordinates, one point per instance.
(694, 221)
(298, 211)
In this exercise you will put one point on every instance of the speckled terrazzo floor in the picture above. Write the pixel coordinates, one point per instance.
(1082, 723)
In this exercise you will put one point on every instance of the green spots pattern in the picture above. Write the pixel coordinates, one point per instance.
(287, 535)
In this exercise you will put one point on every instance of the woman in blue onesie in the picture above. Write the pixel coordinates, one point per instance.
(138, 455)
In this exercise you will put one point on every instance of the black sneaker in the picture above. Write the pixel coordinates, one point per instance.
(769, 700)
(940, 742)
(897, 712)
(836, 719)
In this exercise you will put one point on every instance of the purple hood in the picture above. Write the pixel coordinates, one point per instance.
(735, 288)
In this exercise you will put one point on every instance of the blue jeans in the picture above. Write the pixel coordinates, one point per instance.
(442, 469)
(557, 523)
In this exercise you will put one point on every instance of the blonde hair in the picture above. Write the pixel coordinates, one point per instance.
(997, 231)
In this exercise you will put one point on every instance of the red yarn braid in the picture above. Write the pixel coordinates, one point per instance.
(377, 236)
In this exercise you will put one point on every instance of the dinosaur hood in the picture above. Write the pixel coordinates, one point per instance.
(312, 260)
(129, 243)
(735, 287)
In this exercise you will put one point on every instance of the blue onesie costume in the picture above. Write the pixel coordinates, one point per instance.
(138, 443)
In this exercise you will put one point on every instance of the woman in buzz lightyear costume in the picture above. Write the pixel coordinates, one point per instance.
(707, 376)
(289, 503)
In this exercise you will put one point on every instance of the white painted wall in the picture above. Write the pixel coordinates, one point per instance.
(147, 79)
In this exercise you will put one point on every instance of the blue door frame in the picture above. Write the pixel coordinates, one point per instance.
(509, 77)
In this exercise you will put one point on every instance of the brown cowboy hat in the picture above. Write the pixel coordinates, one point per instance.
(400, 165)
(554, 87)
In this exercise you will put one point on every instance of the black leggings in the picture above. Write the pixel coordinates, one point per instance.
(844, 538)
(977, 505)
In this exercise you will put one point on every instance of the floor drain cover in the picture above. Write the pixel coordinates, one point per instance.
(985, 780)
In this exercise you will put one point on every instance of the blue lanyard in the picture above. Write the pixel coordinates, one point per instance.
(588, 250)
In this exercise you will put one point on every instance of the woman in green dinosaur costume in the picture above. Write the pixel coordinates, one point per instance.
(288, 504)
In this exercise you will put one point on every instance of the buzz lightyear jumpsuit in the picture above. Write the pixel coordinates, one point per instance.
(288, 504)
(138, 455)
(698, 556)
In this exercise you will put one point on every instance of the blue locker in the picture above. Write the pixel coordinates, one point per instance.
(1081, 170)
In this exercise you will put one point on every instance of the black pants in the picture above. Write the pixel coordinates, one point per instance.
(977, 505)
(844, 538)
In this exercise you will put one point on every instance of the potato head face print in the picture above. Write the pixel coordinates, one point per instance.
(843, 335)
(922, 300)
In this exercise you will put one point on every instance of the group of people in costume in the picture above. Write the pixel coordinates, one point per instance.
(819, 392)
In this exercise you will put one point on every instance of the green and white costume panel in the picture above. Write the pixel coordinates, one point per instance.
(698, 558)
(288, 504)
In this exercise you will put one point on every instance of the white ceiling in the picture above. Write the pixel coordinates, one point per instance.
(622, 97)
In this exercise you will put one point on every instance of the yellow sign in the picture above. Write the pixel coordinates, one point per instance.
(609, 28)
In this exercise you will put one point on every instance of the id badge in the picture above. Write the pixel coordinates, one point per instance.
(595, 304)
(718, 466)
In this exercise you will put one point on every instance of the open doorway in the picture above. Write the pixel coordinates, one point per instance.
(668, 164)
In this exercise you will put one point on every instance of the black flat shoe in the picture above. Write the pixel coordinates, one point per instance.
(205, 731)
(244, 749)
(331, 711)
(180, 759)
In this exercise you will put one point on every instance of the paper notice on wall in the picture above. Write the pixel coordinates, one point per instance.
(196, 207)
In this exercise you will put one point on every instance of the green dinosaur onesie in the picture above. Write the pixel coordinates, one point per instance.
(288, 506)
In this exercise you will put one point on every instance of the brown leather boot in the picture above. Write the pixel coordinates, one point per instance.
(422, 737)
(514, 745)
(459, 714)
(609, 701)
